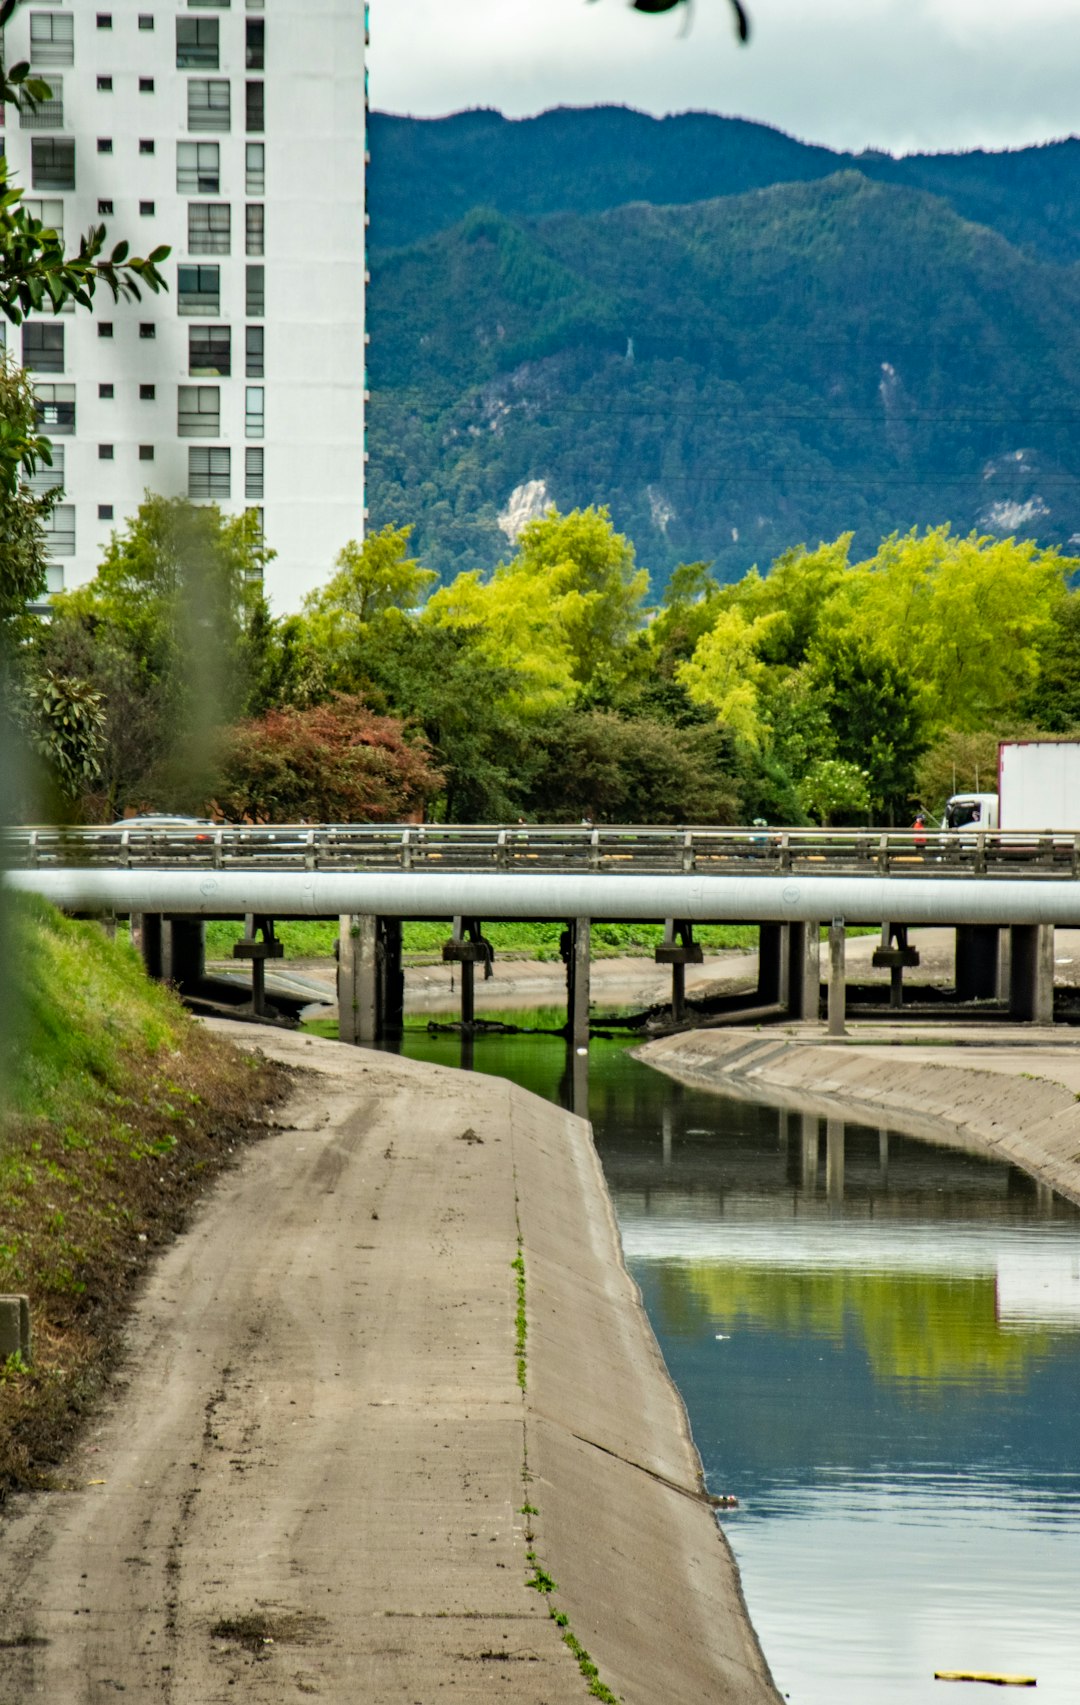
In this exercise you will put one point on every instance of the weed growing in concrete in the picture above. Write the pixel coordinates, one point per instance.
(597, 1689)
(520, 1323)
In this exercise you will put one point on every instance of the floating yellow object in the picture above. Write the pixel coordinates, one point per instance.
(984, 1675)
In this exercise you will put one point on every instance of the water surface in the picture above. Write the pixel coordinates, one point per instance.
(878, 1344)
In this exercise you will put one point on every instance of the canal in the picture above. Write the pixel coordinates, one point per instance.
(878, 1344)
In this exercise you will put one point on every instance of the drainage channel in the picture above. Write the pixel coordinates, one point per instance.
(877, 1340)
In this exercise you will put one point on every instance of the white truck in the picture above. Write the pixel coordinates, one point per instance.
(1038, 789)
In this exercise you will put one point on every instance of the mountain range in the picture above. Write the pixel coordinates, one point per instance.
(737, 341)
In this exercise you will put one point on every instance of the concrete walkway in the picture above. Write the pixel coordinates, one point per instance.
(320, 1476)
(1013, 1091)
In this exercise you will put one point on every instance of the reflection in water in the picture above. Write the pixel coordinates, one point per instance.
(878, 1343)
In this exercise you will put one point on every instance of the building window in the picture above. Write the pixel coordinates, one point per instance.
(255, 287)
(52, 162)
(255, 228)
(255, 53)
(146, 452)
(104, 20)
(43, 478)
(43, 347)
(146, 145)
(105, 328)
(106, 391)
(146, 209)
(104, 84)
(46, 115)
(254, 412)
(198, 168)
(147, 393)
(146, 85)
(105, 208)
(255, 106)
(209, 227)
(208, 103)
(253, 473)
(147, 329)
(254, 343)
(55, 408)
(146, 20)
(105, 452)
(209, 352)
(209, 472)
(49, 215)
(104, 511)
(197, 44)
(198, 412)
(255, 162)
(198, 290)
(104, 144)
(210, 5)
(52, 39)
(59, 530)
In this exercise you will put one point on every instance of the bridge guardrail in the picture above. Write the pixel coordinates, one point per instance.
(706, 851)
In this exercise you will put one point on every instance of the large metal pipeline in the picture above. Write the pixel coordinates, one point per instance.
(629, 898)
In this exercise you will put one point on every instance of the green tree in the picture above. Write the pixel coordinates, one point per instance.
(23, 559)
(632, 770)
(166, 632)
(368, 580)
(1053, 700)
(877, 716)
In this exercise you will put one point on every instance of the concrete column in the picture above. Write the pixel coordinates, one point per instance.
(883, 1153)
(149, 928)
(804, 970)
(467, 972)
(1031, 973)
(15, 1327)
(183, 952)
(808, 1142)
(834, 1159)
(774, 973)
(391, 978)
(577, 983)
(358, 979)
(976, 975)
(837, 989)
(1004, 976)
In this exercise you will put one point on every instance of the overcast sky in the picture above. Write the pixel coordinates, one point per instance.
(894, 74)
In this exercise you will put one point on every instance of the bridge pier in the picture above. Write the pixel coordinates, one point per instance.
(977, 955)
(468, 948)
(173, 949)
(774, 965)
(371, 983)
(678, 949)
(837, 979)
(575, 948)
(1031, 973)
(804, 970)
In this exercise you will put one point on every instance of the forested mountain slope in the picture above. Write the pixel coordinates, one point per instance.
(426, 174)
(732, 376)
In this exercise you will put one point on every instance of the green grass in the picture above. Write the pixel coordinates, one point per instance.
(84, 1006)
(315, 939)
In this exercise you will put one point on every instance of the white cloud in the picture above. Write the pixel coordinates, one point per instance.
(897, 74)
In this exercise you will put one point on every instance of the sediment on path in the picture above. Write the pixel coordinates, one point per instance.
(395, 1422)
(1016, 1097)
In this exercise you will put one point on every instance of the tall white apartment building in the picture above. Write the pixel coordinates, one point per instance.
(234, 132)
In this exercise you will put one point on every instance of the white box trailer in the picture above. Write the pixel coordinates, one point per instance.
(1039, 785)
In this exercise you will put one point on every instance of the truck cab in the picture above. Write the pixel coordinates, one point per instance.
(971, 811)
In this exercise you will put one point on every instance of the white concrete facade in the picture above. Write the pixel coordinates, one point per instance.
(161, 101)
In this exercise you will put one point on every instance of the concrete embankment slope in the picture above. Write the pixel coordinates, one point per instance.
(1013, 1093)
(323, 1477)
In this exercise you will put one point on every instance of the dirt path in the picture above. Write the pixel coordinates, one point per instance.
(312, 1483)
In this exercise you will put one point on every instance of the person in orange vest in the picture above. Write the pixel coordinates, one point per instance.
(919, 826)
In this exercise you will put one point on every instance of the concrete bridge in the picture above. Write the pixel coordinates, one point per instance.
(1003, 893)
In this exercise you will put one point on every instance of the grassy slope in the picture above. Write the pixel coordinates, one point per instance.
(118, 1110)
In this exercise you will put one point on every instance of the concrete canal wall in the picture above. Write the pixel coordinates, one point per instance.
(1013, 1093)
(324, 1438)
